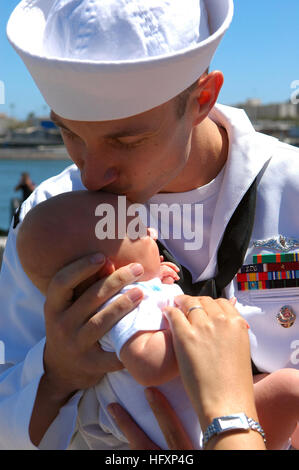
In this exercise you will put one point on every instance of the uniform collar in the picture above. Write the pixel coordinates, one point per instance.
(248, 153)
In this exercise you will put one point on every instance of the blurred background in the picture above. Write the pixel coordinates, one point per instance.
(258, 56)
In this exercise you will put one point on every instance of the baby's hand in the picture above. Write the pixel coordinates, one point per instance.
(168, 272)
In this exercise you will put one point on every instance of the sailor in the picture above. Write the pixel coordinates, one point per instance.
(129, 86)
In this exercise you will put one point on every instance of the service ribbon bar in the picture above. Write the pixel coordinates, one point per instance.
(259, 285)
(276, 258)
(267, 276)
(265, 267)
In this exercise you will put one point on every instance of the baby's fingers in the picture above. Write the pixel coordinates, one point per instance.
(172, 266)
(166, 271)
(168, 280)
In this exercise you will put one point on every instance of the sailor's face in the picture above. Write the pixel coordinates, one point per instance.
(137, 156)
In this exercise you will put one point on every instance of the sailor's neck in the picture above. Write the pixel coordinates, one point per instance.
(208, 155)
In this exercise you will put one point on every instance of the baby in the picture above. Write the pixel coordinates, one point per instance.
(62, 229)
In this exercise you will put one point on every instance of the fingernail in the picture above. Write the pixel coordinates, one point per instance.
(135, 294)
(97, 259)
(136, 269)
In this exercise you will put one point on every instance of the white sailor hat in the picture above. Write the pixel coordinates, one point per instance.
(97, 60)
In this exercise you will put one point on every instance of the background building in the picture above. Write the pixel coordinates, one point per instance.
(256, 110)
(280, 120)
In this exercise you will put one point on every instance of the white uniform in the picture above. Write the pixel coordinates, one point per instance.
(22, 324)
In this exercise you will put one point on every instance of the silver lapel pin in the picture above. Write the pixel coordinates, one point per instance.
(279, 243)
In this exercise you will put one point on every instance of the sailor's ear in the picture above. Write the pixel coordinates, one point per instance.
(205, 95)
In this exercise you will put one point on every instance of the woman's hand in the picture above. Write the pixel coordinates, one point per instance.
(213, 353)
(212, 349)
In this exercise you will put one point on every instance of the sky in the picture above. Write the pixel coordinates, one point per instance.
(259, 57)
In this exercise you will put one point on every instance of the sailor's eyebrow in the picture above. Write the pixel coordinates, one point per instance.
(129, 132)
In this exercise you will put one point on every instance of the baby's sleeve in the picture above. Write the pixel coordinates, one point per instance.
(147, 316)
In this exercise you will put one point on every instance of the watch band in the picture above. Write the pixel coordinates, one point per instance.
(232, 422)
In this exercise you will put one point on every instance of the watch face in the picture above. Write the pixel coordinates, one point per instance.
(237, 421)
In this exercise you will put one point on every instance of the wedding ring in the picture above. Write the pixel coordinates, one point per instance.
(193, 308)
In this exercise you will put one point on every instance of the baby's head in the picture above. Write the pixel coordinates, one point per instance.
(62, 229)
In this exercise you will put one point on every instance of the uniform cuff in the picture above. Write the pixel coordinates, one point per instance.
(62, 429)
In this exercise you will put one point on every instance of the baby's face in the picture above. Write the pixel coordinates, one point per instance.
(142, 250)
(126, 239)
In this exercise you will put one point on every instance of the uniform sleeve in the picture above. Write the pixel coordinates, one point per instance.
(22, 339)
(18, 386)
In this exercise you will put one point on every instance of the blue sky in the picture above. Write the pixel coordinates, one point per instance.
(259, 57)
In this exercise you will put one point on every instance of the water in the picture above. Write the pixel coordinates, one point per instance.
(10, 171)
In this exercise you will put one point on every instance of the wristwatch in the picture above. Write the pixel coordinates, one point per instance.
(231, 423)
